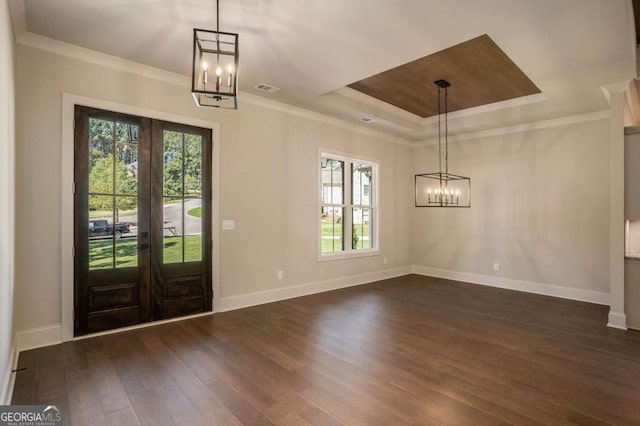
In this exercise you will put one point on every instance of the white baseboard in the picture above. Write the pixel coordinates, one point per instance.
(38, 337)
(617, 320)
(52, 334)
(519, 285)
(6, 392)
(268, 296)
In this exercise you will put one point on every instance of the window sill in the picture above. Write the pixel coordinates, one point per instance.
(348, 255)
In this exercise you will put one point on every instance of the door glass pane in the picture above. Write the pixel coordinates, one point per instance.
(331, 229)
(332, 181)
(101, 134)
(126, 170)
(182, 186)
(100, 232)
(193, 230)
(361, 229)
(361, 181)
(193, 206)
(113, 172)
(172, 230)
(193, 165)
(126, 232)
(173, 173)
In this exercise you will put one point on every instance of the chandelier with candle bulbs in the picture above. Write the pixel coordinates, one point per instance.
(215, 51)
(442, 189)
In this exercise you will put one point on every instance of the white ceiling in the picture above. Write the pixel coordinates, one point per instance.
(312, 49)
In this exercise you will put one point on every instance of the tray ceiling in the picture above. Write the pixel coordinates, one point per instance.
(314, 50)
(479, 71)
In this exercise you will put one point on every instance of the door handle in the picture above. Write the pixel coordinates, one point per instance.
(144, 246)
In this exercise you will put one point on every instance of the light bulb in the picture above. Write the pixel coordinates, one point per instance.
(230, 69)
(218, 70)
(205, 67)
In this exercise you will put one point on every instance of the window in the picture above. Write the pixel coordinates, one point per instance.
(348, 210)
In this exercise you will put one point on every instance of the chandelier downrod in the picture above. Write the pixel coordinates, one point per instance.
(442, 189)
(215, 51)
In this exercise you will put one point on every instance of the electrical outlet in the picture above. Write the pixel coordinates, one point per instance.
(496, 266)
(384, 260)
(280, 274)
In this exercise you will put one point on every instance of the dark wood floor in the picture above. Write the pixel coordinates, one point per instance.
(411, 350)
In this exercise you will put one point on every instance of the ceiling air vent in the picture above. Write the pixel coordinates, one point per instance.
(367, 120)
(264, 87)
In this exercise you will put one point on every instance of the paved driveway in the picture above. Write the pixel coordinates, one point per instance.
(172, 220)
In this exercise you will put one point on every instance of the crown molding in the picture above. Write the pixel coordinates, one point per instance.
(495, 106)
(73, 51)
(536, 125)
(382, 106)
(48, 44)
(312, 115)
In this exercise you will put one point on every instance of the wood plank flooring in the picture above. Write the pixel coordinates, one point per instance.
(410, 350)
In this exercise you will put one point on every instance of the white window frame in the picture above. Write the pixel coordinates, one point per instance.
(349, 252)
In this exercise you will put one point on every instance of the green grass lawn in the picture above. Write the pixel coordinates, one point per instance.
(195, 212)
(332, 236)
(101, 255)
(173, 249)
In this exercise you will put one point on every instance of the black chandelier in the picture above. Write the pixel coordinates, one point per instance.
(442, 189)
(214, 75)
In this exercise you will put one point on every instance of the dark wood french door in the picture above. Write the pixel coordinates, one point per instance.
(142, 227)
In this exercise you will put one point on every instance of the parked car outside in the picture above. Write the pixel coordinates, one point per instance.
(102, 228)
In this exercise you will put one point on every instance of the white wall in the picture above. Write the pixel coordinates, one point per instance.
(268, 184)
(7, 142)
(540, 198)
(539, 207)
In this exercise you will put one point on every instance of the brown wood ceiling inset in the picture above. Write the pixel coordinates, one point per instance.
(479, 71)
